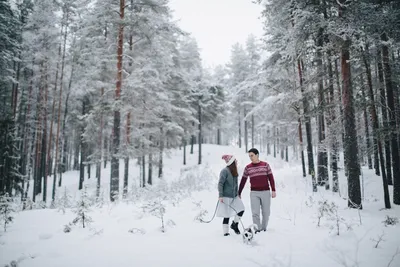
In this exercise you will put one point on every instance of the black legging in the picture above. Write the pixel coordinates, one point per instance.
(226, 220)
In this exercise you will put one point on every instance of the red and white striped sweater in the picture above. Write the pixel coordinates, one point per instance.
(261, 177)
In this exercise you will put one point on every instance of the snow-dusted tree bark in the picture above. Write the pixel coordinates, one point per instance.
(391, 99)
(350, 145)
(114, 181)
(375, 131)
(384, 113)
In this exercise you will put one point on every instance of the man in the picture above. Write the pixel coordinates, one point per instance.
(261, 182)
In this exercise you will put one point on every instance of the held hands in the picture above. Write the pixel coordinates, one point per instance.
(221, 200)
(273, 194)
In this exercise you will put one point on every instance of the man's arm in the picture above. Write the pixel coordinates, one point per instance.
(243, 181)
(271, 178)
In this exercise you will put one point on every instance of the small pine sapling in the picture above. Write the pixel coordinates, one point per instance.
(378, 240)
(6, 210)
(64, 202)
(200, 216)
(82, 209)
(157, 209)
(390, 220)
(323, 209)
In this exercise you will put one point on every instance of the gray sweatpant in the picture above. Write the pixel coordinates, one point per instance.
(260, 200)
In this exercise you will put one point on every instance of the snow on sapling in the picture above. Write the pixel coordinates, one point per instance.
(64, 202)
(6, 210)
(310, 202)
(330, 211)
(200, 216)
(337, 219)
(82, 209)
(390, 220)
(156, 208)
(378, 240)
(324, 208)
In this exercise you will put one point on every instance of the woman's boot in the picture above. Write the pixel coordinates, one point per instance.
(225, 229)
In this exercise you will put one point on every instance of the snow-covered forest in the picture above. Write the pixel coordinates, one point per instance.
(99, 95)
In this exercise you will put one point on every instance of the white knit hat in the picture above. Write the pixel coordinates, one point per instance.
(229, 159)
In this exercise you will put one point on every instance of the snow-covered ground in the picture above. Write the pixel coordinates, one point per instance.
(127, 234)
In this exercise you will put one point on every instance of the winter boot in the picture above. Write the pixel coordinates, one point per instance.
(234, 227)
(225, 229)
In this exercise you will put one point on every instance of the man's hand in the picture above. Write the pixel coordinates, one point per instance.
(221, 199)
(273, 194)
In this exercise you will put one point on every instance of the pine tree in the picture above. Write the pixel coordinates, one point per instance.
(82, 209)
(6, 210)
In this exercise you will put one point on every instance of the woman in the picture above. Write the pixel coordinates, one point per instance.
(230, 204)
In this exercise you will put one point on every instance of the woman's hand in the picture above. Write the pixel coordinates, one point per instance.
(221, 199)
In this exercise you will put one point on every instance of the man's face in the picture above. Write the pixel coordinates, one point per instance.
(253, 157)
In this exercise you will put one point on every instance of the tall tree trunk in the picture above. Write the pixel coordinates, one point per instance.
(58, 147)
(150, 166)
(350, 145)
(53, 112)
(100, 146)
(375, 130)
(303, 163)
(184, 150)
(252, 129)
(44, 142)
(268, 140)
(192, 143)
(307, 119)
(274, 138)
(385, 120)
(333, 133)
(240, 130)
(143, 161)
(322, 158)
(391, 98)
(161, 156)
(246, 131)
(366, 125)
(200, 133)
(126, 161)
(339, 90)
(82, 149)
(114, 183)
(65, 162)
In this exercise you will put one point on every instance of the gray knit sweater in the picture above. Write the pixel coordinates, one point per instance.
(228, 184)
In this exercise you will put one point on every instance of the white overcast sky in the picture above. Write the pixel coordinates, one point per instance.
(217, 25)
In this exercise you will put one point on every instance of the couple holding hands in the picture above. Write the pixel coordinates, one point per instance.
(261, 184)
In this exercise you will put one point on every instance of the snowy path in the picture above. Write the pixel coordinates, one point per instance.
(37, 239)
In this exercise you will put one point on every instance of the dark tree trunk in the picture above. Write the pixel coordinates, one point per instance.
(161, 156)
(366, 125)
(322, 170)
(303, 163)
(114, 183)
(391, 98)
(333, 133)
(384, 118)
(240, 131)
(375, 130)
(350, 145)
(200, 134)
(307, 119)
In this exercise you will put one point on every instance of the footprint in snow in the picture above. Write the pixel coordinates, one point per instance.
(45, 236)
